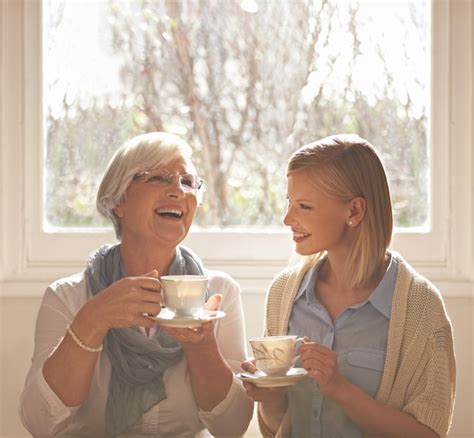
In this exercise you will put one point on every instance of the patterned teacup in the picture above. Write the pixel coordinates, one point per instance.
(275, 355)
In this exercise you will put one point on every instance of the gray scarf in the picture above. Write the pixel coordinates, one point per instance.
(138, 363)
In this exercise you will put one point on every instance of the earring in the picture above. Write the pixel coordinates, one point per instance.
(349, 223)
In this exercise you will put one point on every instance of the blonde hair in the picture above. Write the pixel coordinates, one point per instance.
(344, 167)
(139, 154)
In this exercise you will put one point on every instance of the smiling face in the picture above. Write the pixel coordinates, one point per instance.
(318, 222)
(157, 214)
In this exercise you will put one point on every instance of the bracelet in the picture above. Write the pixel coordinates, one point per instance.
(81, 344)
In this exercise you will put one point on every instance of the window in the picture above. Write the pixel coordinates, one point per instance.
(246, 82)
(32, 253)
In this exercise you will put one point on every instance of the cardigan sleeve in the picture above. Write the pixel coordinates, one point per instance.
(431, 392)
(273, 310)
(272, 317)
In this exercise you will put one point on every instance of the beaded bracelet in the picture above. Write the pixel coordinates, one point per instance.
(81, 344)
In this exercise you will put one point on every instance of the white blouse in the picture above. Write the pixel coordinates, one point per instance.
(45, 415)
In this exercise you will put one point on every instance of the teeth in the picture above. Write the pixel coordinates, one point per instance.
(172, 211)
(300, 235)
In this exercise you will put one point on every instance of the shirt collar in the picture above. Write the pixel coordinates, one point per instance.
(380, 298)
(307, 284)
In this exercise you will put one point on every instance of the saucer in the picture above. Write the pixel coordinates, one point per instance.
(167, 318)
(260, 379)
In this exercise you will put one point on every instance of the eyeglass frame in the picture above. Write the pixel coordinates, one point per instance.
(169, 176)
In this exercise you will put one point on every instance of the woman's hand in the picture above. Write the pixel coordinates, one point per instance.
(70, 368)
(267, 396)
(211, 376)
(125, 303)
(321, 364)
(273, 402)
(197, 336)
(262, 395)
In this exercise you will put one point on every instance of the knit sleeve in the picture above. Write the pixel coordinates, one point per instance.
(430, 394)
(272, 318)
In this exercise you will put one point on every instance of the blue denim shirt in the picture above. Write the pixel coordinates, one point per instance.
(358, 336)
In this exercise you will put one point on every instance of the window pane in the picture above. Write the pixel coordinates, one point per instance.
(246, 83)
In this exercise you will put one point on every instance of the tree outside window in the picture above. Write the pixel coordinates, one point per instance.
(245, 83)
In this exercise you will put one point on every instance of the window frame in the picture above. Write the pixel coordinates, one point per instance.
(30, 255)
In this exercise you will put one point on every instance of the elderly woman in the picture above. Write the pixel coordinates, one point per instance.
(379, 346)
(101, 366)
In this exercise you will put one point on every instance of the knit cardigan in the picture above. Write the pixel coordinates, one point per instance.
(419, 373)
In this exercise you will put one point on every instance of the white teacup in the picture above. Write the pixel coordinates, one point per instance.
(184, 294)
(275, 355)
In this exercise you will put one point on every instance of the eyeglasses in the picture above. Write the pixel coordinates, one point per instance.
(187, 181)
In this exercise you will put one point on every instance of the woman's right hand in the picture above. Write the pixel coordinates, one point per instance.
(267, 396)
(125, 303)
(273, 401)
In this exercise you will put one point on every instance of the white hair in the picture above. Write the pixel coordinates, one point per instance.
(139, 154)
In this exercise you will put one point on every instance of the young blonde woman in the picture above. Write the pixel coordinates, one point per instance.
(379, 346)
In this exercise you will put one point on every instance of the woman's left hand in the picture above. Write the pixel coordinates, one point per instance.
(321, 364)
(197, 335)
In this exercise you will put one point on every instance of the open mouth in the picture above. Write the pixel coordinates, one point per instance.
(299, 237)
(169, 213)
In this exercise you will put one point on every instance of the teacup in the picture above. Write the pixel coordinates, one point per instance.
(184, 294)
(275, 355)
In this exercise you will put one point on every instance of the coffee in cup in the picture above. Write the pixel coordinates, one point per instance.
(184, 294)
(275, 355)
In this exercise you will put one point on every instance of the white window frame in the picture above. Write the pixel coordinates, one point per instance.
(29, 256)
